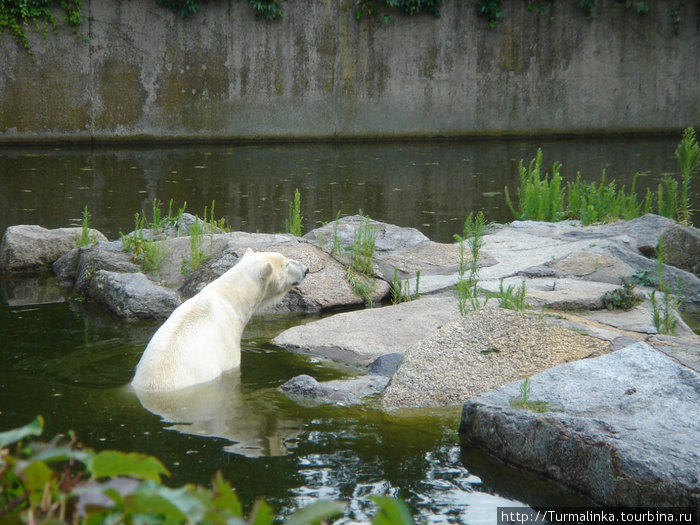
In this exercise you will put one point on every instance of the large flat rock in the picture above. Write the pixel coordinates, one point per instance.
(359, 337)
(623, 428)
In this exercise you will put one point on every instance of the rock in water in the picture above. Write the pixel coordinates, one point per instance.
(623, 428)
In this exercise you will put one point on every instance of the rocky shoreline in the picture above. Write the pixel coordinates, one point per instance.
(622, 399)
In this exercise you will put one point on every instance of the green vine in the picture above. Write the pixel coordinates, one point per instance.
(16, 15)
(410, 7)
(492, 10)
(268, 9)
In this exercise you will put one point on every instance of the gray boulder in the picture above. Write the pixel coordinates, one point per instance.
(31, 247)
(326, 285)
(305, 390)
(211, 270)
(360, 337)
(107, 256)
(682, 248)
(389, 237)
(132, 296)
(173, 269)
(479, 352)
(646, 231)
(604, 436)
(404, 250)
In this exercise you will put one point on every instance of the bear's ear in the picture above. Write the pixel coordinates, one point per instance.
(249, 250)
(265, 270)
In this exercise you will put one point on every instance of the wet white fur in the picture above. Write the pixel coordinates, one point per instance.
(202, 338)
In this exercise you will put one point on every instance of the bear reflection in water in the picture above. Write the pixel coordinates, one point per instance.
(219, 409)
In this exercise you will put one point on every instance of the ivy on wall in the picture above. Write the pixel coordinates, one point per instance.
(17, 15)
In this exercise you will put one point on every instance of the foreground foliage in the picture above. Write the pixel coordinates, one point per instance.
(62, 482)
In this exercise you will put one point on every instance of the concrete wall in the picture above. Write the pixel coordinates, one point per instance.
(319, 73)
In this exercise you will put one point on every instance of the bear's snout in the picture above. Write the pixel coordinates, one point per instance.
(298, 271)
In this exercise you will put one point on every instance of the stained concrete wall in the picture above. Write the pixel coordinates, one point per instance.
(318, 73)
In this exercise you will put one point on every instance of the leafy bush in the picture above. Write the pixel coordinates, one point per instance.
(622, 298)
(15, 15)
(57, 482)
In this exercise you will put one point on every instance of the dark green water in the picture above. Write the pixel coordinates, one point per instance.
(69, 361)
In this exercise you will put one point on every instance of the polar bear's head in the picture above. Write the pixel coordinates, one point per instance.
(277, 274)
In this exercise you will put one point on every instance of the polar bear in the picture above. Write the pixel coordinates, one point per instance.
(202, 338)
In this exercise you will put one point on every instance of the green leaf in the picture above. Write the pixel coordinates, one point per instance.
(262, 514)
(13, 436)
(35, 476)
(225, 497)
(316, 512)
(172, 504)
(51, 454)
(112, 464)
(391, 512)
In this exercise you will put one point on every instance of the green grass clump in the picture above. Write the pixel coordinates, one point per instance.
(147, 252)
(541, 198)
(512, 298)
(591, 203)
(362, 251)
(294, 218)
(401, 290)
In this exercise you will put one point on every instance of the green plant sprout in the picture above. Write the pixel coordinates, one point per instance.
(511, 298)
(197, 256)
(401, 290)
(467, 288)
(688, 157)
(362, 251)
(525, 402)
(663, 313)
(85, 236)
(294, 218)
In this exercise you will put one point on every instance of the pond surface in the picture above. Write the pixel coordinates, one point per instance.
(69, 361)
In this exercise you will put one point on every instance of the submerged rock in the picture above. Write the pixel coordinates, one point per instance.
(621, 428)
(31, 247)
(307, 391)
